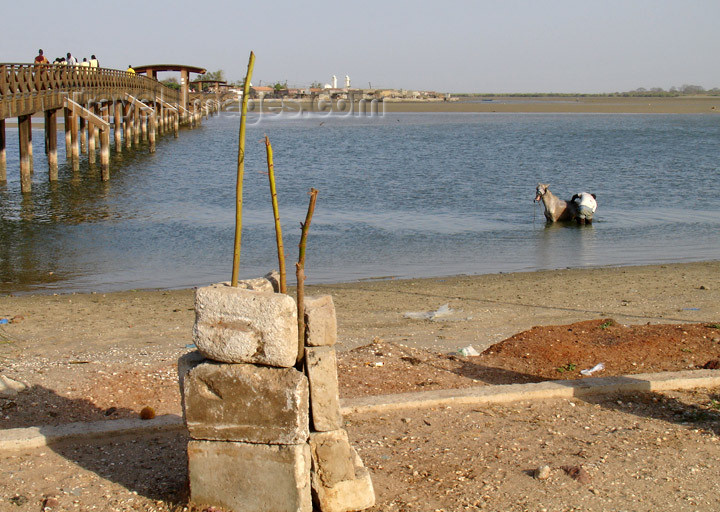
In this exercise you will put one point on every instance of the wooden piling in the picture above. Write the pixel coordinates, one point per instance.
(74, 140)
(3, 154)
(151, 130)
(51, 143)
(105, 154)
(128, 124)
(68, 137)
(92, 134)
(83, 136)
(117, 119)
(24, 126)
(144, 118)
(136, 124)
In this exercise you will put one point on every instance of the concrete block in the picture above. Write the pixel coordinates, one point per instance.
(187, 362)
(234, 325)
(333, 495)
(243, 402)
(333, 460)
(249, 477)
(320, 321)
(321, 365)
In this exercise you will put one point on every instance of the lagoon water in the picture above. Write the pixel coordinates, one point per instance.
(400, 195)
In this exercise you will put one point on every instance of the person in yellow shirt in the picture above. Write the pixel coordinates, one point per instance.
(130, 70)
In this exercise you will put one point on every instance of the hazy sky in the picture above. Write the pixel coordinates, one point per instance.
(445, 45)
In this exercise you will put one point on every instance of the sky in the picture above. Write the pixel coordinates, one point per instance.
(481, 46)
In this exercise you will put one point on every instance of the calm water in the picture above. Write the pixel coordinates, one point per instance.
(401, 195)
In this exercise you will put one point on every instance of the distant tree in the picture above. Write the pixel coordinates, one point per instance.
(279, 86)
(172, 83)
(218, 75)
(692, 89)
(316, 85)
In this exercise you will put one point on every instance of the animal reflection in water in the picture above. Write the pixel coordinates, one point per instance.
(581, 207)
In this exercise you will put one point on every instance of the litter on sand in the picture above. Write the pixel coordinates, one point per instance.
(596, 368)
(443, 310)
(468, 351)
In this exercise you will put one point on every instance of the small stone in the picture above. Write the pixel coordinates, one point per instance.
(10, 387)
(578, 473)
(50, 503)
(147, 413)
(542, 472)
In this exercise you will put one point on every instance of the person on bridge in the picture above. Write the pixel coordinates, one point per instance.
(94, 62)
(70, 60)
(130, 70)
(41, 59)
(85, 63)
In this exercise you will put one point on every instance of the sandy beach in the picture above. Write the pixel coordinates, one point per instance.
(106, 355)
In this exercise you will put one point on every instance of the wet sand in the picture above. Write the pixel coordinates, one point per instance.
(484, 309)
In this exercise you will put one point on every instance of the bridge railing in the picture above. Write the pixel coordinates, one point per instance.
(22, 82)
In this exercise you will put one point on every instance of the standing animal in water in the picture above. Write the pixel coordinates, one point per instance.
(555, 208)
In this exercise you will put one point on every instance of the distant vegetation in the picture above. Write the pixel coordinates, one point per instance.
(685, 90)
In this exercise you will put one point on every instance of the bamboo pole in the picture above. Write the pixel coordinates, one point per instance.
(276, 214)
(300, 273)
(241, 172)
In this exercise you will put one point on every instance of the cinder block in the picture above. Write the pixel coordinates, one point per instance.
(320, 321)
(187, 362)
(243, 402)
(234, 325)
(321, 365)
(249, 477)
(329, 493)
(333, 460)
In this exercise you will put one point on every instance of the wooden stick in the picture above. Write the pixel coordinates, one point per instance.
(276, 214)
(241, 172)
(300, 272)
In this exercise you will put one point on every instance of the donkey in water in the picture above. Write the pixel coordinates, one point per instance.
(555, 209)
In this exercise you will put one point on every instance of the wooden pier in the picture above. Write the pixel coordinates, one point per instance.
(94, 103)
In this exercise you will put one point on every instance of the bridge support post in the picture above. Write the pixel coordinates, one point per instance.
(176, 123)
(83, 136)
(127, 122)
(105, 154)
(117, 117)
(24, 127)
(136, 125)
(3, 155)
(144, 116)
(51, 143)
(151, 130)
(75, 143)
(92, 135)
(68, 138)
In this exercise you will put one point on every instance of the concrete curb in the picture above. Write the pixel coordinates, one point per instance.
(34, 437)
(541, 390)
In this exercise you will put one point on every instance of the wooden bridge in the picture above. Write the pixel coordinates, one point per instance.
(94, 102)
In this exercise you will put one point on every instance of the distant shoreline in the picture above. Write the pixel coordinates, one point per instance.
(528, 104)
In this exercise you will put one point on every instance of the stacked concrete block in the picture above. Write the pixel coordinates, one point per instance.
(245, 405)
(340, 482)
(249, 412)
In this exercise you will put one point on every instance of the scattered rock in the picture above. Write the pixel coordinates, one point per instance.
(147, 413)
(542, 472)
(50, 503)
(577, 473)
(713, 364)
(19, 500)
(10, 387)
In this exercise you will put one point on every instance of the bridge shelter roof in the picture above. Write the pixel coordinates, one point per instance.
(169, 67)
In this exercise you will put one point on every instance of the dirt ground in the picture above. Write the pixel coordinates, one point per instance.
(106, 356)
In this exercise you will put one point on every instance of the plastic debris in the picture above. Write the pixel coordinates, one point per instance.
(443, 310)
(4, 321)
(10, 387)
(468, 351)
(598, 367)
(190, 345)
